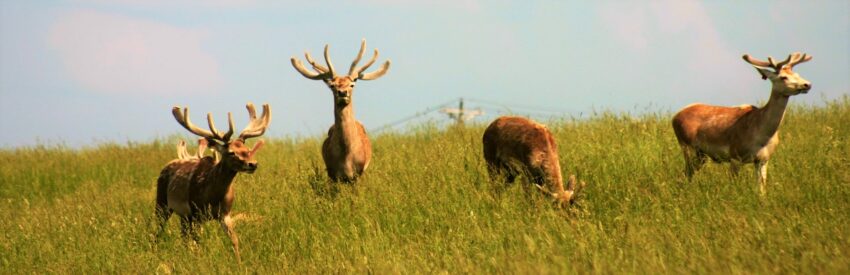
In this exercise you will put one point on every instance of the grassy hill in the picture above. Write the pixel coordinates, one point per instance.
(427, 206)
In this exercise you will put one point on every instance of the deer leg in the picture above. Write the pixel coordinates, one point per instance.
(187, 228)
(537, 177)
(693, 160)
(493, 172)
(163, 213)
(510, 173)
(761, 175)
(734, 167)
(227, 226)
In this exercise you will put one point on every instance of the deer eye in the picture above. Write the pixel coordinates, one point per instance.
(783, 77)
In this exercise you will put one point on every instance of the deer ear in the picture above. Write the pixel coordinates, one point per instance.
(765, 72)
(258, 145)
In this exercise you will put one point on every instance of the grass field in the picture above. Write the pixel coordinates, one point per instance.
(426, 206)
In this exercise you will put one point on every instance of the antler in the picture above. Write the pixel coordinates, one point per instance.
(183, 119)
(328, 61)
(257, 126)
(562, 195)
(182, 153)
(793, 59)
(320, 68)
(321, 72)
(799, 59)
(357, 73)
(202, 147)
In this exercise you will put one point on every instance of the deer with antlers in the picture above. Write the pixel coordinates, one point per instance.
(200, 189)
(347, 150)
(744, 134)
(518, 146)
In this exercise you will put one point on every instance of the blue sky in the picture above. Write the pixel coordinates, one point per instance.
(77, 72)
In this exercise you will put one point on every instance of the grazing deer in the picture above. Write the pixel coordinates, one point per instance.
(200, 189)
(516, 145)
(183, 153)
(745, 133)
(347, 150)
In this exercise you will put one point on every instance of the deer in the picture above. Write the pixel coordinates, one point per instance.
(200, 189)
(743, 134)
(347, 150)
(516, 146)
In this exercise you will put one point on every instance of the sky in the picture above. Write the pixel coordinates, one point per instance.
(85, 72)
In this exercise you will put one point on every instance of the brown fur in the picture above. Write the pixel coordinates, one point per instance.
(200, 188)
(744, 134)
(347, 149)
(516, 145)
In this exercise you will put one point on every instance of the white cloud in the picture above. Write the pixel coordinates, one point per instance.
(111, 53)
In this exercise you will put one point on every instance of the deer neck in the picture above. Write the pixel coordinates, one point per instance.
(220, 179)
(345, 123)
(770, 116)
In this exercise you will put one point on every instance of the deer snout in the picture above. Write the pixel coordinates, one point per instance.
(250, 167)
(806, 87)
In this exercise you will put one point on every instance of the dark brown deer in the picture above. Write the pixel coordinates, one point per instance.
(743, 134)
(516, 146)
(347, 150)
(200, 189)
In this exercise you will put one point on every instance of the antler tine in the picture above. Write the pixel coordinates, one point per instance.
(357, 59)
(256, 127)
(182, 153)
(379, 73)
(358, 74)
(216, 133)
(313, 63)
(554, 195)
(202, 146)
(778, 66)
(571, 184)
(800, 59)
(772, 62)
(331, 70)
(306, 73)
(183, 119)
(757, 62)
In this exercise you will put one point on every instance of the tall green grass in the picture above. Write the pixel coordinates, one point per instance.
(426, 206)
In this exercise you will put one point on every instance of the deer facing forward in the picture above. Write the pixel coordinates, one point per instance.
(347, 150)
(744, 134)
(516, 145)
(200, 189)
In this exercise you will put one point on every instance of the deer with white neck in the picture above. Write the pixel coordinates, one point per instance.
(200, 188)
(743, 134)
(347, 150)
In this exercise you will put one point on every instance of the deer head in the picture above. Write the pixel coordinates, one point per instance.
(235, 155)
(785, 81)
(561, 197)
(341, 86)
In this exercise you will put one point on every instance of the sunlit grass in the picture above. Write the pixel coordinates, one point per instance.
(426, 206)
